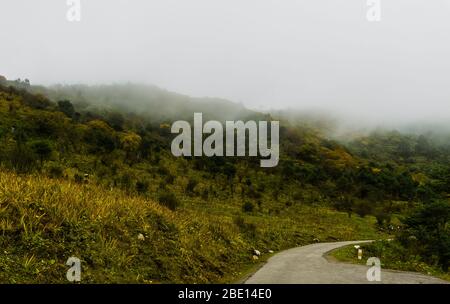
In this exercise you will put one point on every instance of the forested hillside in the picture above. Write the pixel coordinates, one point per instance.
(87, 171)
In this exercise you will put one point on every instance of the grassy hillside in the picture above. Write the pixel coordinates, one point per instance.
(96, 179)
(45, 221)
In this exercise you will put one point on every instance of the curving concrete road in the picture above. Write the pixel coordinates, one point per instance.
(307, 265)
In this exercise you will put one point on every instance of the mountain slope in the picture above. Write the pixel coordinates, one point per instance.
(88, 177)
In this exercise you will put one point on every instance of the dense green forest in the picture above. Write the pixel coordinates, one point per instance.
(87, 171)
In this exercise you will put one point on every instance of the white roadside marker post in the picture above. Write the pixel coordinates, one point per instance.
(357, 247)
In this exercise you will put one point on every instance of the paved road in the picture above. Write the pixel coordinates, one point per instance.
(307, 265)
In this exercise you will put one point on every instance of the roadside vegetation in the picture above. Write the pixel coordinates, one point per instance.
(126, 238)
(423, 245)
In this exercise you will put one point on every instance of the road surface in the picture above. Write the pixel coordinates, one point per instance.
(307, 265)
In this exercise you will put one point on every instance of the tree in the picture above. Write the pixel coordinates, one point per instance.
(346, 204)
(382, 217)
(429, 225)
(37, 101)
(101, 136)
(363, 208)
(67, 108)
(130, 143)
(42, 149)
(404, 149)
(230, 171)
(116, 121)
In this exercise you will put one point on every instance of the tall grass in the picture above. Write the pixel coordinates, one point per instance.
(123, 238)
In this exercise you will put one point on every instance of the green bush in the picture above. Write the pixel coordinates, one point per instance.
(170, 179)
(427, 230)
(169, 200)
(246, 228)
(383, 218)
(79, 178)
(22, 159)
(142, 186)
(55, 171)
(248, 207)
(363, 208)
(66, 107)
(190, 187)
(42, 148)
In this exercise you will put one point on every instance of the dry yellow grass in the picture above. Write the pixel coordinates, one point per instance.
(121, 238)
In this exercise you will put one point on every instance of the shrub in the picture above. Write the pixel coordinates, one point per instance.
(42, 148)
(142, 186)
(205, 194)
(252, 193)
(100, 136)
(345, 204)
(22, 159)
(363, 208)
(66, 107)
(126, 181)
(247, 228)
(55, 171)
(169, 200)
(429, 225)
(163, 170)
(192, 183)
(170, 179)
(78, 178)
(382, 218)
(248, 207)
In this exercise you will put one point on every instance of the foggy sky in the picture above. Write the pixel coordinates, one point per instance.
(263, 53)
